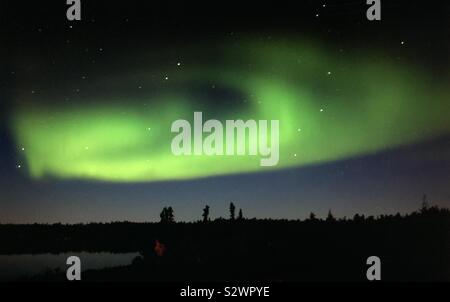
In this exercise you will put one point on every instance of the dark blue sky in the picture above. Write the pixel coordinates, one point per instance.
(382, 183)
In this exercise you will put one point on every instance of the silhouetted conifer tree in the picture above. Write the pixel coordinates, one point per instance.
(232, 211)
(163, 215)
(167, 215)
(206, 214)
(240, 216)
(330, 217)
(425, 204)
(170, 215)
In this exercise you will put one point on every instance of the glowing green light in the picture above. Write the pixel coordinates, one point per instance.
(329, 108)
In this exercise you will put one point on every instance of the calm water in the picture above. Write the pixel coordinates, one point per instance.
(15, 266)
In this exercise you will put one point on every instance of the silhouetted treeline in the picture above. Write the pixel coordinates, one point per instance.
(411, 247)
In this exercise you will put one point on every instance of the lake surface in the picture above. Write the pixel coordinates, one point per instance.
(13, 267)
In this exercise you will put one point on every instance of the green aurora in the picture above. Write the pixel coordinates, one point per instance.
(330, 107)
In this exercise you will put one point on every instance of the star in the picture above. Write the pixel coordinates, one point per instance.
(329, 72)
(321, 109)
(166, 78)
(178, 64)
(19, 166)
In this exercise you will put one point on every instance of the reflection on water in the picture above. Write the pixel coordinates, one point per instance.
(13, 267)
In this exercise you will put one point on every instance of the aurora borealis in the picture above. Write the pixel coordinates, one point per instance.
(87, 108)
(324, 115)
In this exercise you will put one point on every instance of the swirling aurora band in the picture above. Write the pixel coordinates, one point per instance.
(329, 107)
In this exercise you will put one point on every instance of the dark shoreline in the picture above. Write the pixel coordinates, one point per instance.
(414, 247)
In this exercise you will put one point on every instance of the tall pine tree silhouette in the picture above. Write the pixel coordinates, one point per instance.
(232, 211)
(206, 214)
(167, 215)
(240, 216)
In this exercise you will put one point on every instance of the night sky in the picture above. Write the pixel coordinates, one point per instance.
(86, 108)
